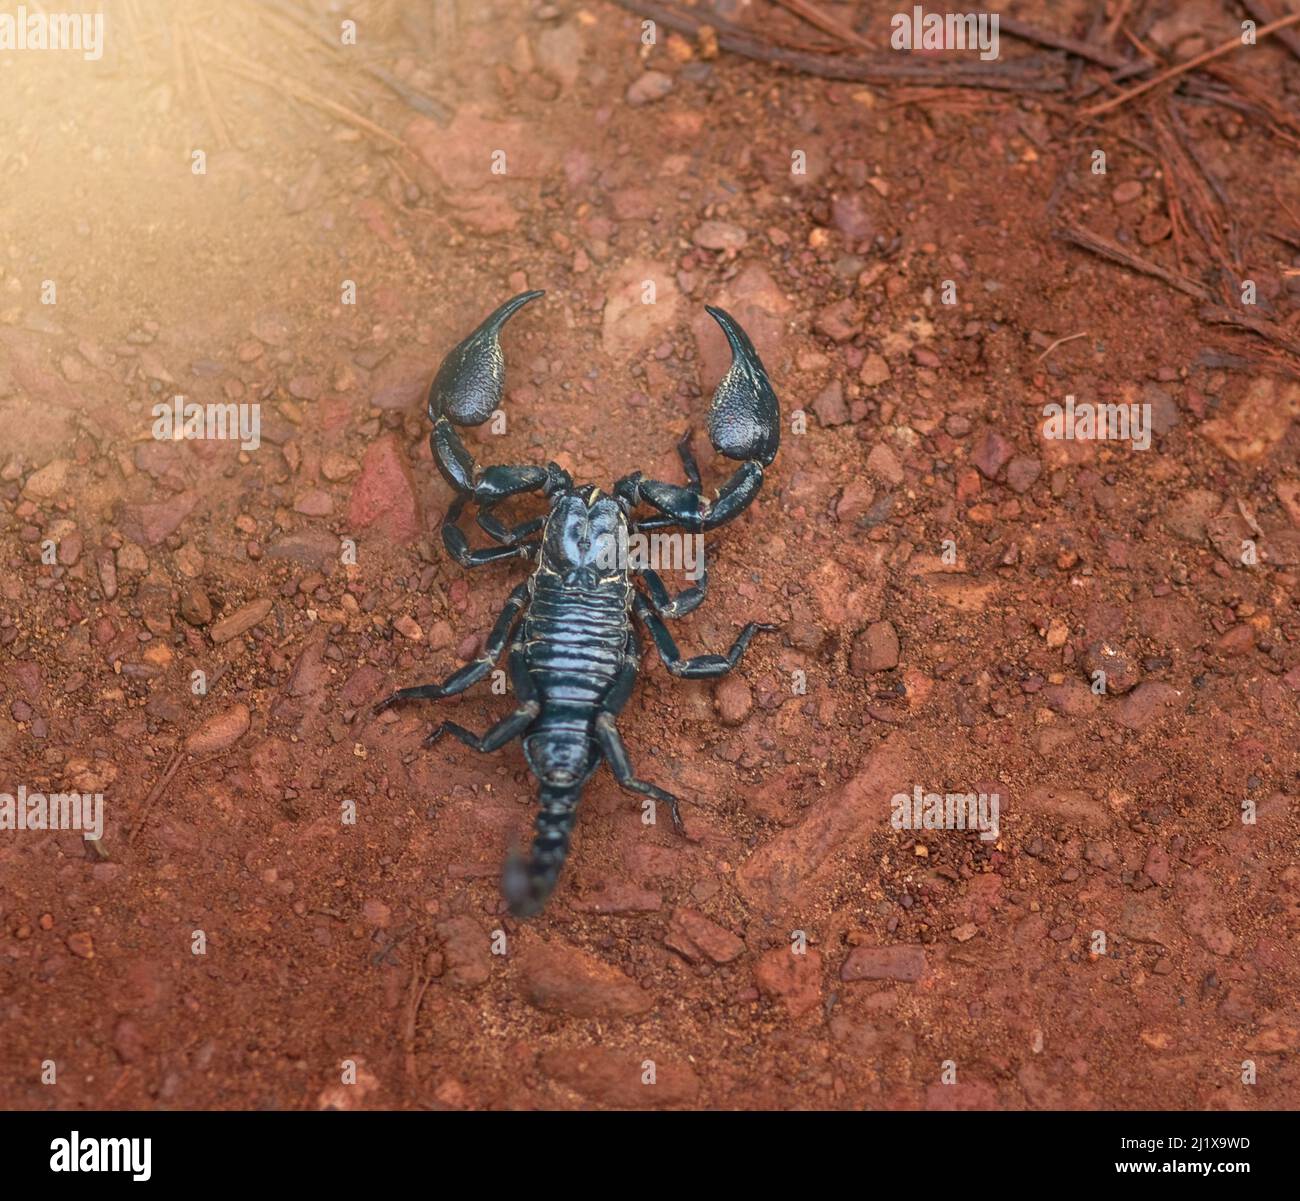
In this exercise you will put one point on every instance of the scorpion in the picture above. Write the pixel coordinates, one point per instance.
(573, 658)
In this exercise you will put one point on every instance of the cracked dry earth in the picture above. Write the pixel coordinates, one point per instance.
(968, 671)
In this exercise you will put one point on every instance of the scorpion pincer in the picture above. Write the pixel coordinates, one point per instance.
(573, 657)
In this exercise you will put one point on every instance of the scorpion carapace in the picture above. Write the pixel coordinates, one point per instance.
(573, 657)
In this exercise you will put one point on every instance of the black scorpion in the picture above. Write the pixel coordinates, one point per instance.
(573, 659)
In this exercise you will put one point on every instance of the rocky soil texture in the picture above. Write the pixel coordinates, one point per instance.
(949, 579)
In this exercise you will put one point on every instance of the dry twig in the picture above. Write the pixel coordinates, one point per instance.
(1060, 342)
(823, 21)
(209, 104)
(1059, 41)
(300, 91)
(286, 15)
(1117, 254)
(855, 68)
(414, 998)
(1190, 65)
(1220, 315)
(1264, 12)
(154, 793)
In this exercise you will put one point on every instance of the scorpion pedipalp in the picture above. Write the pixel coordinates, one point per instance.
(745, 417)
(471, 376)
(744, 425)
(466, 391)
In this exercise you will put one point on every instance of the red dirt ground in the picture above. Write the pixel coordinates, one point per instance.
(375, 942)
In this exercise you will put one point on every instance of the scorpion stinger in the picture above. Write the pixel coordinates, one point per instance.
(466, 391)
(744, 424)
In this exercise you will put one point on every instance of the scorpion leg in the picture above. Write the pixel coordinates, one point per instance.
(474, 671)
(626, 680)
(512, 542)
(611, 742)
(510, 726)
(699, 667)
(492, 554)
(663, 602)
(687, 600)
(687, 456)
(507, 728)
(504, 534)
(744, 425)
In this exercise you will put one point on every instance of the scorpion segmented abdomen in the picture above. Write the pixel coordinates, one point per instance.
(575, 639)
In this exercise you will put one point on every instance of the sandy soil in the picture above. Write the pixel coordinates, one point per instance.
(948, 580)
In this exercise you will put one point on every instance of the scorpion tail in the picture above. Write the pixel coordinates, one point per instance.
(528, 883)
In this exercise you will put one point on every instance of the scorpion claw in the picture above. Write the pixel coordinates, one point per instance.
(467, 388)
(744, 425)
(466, 391)
(745, 417)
